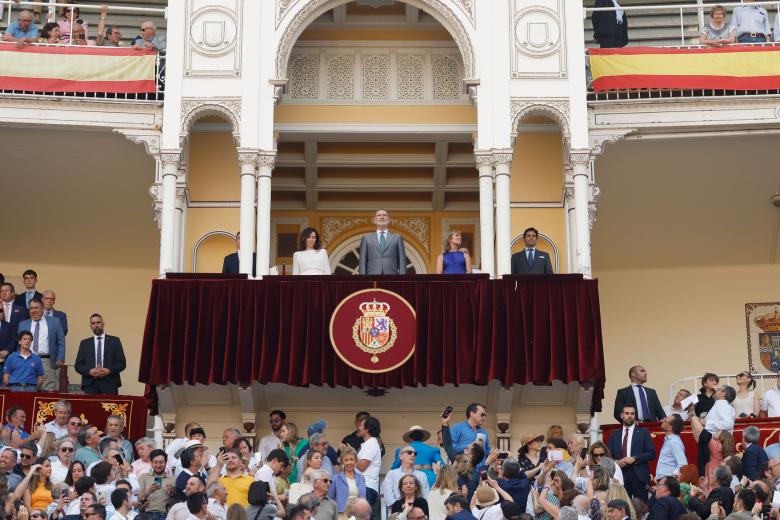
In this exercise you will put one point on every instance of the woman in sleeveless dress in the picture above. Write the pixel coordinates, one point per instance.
(311, 258)
(455, 259)
(747, 402)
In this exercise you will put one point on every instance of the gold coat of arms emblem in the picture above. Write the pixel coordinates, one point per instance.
(374, 332)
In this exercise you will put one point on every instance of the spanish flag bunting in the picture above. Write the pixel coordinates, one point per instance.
(728, 68)
(43, 68)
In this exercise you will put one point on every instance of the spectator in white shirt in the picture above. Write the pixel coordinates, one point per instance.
(217, 498)
(59, 467)
(770, 405)
(59, 425)
(274, 463)
(370, 457)
(676, 407)
(721, 416)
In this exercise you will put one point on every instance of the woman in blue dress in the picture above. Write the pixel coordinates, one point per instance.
(455, 259)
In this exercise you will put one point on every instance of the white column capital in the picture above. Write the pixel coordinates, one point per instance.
(483, 158)
(247, 157)
(579, 161)
(266, 160)
(170, 160)
(502, 159)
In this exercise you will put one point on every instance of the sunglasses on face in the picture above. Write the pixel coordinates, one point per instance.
(66, 449)
(598, 454)
(75, 424)
(326, 480)
(25, 456)
(407, 452)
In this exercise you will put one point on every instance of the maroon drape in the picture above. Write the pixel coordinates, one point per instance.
(470, 330)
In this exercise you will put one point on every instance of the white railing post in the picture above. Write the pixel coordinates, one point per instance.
(158, 429)
(682, 27)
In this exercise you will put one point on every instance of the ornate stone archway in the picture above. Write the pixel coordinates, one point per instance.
(294, 16)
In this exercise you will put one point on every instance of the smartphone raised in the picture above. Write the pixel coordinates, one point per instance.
(118, 458)
(483, 475)
(158, 480)
(503, 455)
(446, 412)
(583, 453)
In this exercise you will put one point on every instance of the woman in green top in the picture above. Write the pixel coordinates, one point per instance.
(293, 445)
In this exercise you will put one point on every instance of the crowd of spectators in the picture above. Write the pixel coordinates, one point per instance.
(70, 28)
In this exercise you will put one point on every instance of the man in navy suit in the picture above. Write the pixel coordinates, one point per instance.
(49, 297)
(633, 450)
(30, 278)
(644, 399)
(6, 337)
(100, 360)
(665, 503)
(610, 28)
(14, 314)
(530, 260)
(230, 264)
(754, 459)
(48, 343)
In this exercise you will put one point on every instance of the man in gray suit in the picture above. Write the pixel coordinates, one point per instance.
(530, 260)
(382, 252)
(48, 342)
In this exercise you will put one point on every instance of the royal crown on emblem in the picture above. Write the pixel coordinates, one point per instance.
(374, 308)
(769, 322)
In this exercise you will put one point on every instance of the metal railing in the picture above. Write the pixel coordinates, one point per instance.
(693, 384)
(7, 8)
(698, 8)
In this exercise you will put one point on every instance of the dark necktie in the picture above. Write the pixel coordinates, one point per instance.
(99, 355)
(36, 327)
(530, 256)
(625, 442)
(382, 241)
(643, 403)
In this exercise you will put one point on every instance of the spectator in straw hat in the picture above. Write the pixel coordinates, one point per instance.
(484, 504)
(426, 455)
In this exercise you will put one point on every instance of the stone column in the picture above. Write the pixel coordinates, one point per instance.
(486, 228)
(170, 169)
(571, 222)
(248, 161)
(503, 161)
(178, 234)
(266, 166)
(580, 162)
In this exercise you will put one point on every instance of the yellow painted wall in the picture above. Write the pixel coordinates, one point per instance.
(537, 169)
(550, 222)
(374, 114)
(213, 169)
(678, 322)
(120, 295)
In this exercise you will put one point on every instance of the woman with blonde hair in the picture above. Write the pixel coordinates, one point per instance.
(455, 259)
(293, 445)
(348, 484)
(445, 485)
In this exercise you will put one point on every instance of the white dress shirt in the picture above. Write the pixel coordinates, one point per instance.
(771, 402)
(7, 309)
(58, 431)
(619, 13)
(720, 417)
(43, 337)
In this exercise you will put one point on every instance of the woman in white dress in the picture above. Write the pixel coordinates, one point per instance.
(747, 402)
(310, 258)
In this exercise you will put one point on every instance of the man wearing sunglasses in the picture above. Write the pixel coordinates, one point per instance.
(277, 418)
(466, 433)
(326, 510)
(148, 39)
(390, 486)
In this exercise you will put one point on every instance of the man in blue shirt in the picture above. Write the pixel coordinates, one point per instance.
(22, 31)
(471, 429)
(672, 456)
(23, 370)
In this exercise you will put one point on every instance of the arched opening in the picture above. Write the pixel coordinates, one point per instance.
(210, 249)
(375, 115)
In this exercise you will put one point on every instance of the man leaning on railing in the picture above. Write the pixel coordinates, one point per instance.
(22, 31)
(148, 38)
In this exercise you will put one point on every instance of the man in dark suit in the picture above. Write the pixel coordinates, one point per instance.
(644, 399)
(530, 260)
(665, 503)
(7, 336)
(48, 343)
(610, 28)
(754, 459)
(49, 297)
(14, 314)
(100, 360)
(30, 278)
(382, 252)
(230, 264)
(633, 450)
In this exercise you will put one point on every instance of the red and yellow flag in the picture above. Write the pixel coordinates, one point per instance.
(43, 68)
(729, 68)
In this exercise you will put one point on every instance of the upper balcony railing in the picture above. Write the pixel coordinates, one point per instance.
(113, 73)
(669, 34)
